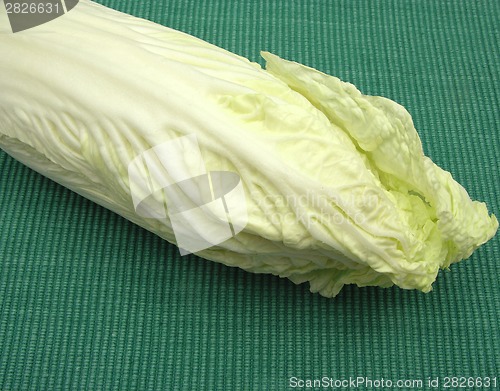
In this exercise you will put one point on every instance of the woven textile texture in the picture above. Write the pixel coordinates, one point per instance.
(89, 301)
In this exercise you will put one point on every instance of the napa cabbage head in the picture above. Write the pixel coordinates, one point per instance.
(337, 187)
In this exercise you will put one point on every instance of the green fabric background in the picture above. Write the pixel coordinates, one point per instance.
(89, 301)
